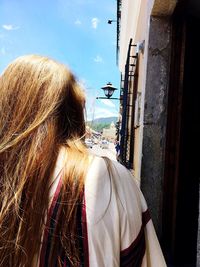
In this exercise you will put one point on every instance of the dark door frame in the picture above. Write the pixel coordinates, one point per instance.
(175, 184)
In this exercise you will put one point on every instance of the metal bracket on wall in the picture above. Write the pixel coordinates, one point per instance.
(137, 110)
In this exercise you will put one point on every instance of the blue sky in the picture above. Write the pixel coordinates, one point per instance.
(74, 32)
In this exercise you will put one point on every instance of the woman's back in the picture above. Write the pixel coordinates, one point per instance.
(113, 221)
(58, 206)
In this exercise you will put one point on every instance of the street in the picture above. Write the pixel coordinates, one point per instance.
(110, 152)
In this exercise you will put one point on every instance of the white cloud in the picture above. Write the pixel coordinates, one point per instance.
(78, 22)
(95, 22)
(101, 113)
(98, 59)
(107, 102)
(9, 27)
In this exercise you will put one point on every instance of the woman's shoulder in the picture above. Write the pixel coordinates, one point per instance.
(102, 165)
(102, 169)
(106, 176)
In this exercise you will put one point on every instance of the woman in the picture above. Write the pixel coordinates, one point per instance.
(60, 206)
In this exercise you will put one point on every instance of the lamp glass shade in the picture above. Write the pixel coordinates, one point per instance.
(108, 90)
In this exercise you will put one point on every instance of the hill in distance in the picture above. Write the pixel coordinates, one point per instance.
(107, 120)
(101, 123)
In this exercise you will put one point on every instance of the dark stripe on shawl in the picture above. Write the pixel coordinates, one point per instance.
(51, 235)
(64, 260)
(44, 251)
(85, 234)
(133, 255)
(53, 214)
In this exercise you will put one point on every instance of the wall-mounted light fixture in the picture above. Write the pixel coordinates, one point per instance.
(110, 21)
(140, 47)
(108, 91)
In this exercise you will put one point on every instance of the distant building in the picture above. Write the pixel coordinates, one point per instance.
(110, 133)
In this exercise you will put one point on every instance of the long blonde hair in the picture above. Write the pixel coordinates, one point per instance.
(41, 110)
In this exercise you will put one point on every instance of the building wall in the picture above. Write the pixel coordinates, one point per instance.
(142, 33)
(149, 143)
(135, 25)
(129, 14)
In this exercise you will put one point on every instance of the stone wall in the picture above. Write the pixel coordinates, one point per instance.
(155, 115)
(163, 8)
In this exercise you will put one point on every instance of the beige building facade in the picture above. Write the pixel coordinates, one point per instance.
(135, 25)
(110, 133)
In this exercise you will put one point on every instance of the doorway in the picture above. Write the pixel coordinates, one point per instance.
(181, 186)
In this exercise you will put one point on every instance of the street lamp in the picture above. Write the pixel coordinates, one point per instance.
(108, 91)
